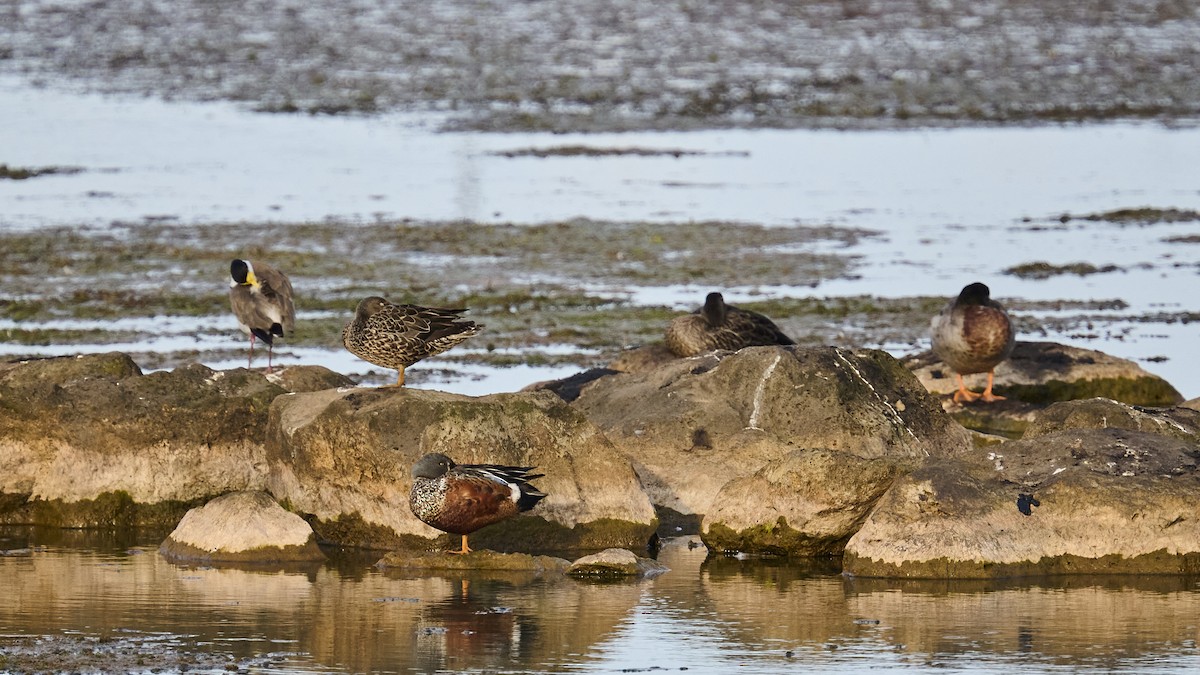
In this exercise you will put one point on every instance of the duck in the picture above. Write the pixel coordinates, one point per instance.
(973, 334)
(463, 498)
(261, 298)
(721, 326)
(397, 336)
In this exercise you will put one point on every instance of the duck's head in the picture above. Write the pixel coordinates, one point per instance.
(241, 273)
(974, 294)
(714, 309)
(433, 465)
(368, 307)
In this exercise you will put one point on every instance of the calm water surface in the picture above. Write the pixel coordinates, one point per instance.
(79, 592)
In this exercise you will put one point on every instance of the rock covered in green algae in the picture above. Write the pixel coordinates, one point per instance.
(616, 562)
(88, 440)
(242, 527)
(476, 560)
(346, 456)
(1040, 373)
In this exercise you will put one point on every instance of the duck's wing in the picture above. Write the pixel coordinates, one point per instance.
(276, 288)
(515, 479)
(755, 328)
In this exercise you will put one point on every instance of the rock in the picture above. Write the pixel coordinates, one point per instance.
(569, 388)
(1045, 372)
(693, 425)
(345, 457)
(642, 359)
(476, 560)
(1103, 413)
(817, 498)
(1070, 501)
(90, 441)
(308, 378)
(616, 562)
(242, 527)
(1040, 373)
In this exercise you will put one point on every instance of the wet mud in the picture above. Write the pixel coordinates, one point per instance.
(576, 65)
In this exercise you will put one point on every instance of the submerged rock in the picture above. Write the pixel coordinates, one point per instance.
(616, 562)
(345, 457)
(476, 560)
(691, 426)
(242, 527)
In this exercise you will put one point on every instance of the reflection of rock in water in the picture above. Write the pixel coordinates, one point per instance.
(1070, 619)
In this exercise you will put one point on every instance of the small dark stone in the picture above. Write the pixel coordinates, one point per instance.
(1024, 501)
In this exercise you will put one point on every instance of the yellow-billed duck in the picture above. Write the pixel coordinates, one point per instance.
(261, 298)
(397, 336)
(721, 326)
(462, 498)
(973, 334)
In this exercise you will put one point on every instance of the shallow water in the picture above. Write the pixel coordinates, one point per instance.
(81, 600)
(950, 206)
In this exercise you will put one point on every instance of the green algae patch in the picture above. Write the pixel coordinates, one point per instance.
(24, 173)
(537, 534)
(1155, 562)
(776, 538)
(109, 510)
(1044, 270)
(353, 531)
(1145, 391)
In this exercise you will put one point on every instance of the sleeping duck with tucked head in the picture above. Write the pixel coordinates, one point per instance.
(717, 325)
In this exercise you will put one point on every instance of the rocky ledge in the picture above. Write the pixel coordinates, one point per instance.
(771, 450)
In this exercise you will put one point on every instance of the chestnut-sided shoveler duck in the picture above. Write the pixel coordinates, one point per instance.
(721, 326)
(397, 336)
(261, 297)
(973, 334)
(462, 498)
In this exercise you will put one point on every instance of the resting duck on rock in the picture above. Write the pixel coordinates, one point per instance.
(973, 334)
(721, 326)
(462, 498)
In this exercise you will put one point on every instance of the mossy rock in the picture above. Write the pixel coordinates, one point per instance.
(776, 538)
(108, 510)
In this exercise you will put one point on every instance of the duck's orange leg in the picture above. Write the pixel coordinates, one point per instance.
(964, 395)
(988, 396)
(465, 549)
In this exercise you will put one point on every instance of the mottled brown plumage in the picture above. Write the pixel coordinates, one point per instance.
(973, 334)
(721, 326)
(462, 498)
(261, 298)
(397, 336)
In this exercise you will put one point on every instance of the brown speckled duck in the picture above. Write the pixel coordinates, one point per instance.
(463, 498)
(261, 298)
(721, 326)
(973, 334)
(397, 336)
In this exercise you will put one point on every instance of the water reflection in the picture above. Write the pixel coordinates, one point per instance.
(72, 590)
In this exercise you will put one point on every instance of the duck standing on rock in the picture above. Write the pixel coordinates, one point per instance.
(973, 334)
(462, 498)
(721, 326)
(397, 336)
(261, 297)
